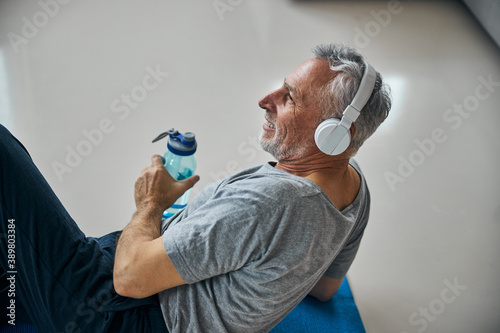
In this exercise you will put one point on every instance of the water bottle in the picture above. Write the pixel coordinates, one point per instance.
(180, 162)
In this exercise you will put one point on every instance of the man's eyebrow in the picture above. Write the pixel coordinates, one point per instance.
(289, 88)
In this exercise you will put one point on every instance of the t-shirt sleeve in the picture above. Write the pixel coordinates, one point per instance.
(342, 262)
(222, 235)
(340, 265)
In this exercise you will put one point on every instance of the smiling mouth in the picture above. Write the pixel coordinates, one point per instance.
(270, 124)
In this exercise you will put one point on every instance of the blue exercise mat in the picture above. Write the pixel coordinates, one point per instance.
(340, 314)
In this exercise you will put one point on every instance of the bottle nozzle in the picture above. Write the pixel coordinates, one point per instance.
(172, 132)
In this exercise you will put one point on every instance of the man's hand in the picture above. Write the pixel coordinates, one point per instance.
(156, 190)
(142, 266)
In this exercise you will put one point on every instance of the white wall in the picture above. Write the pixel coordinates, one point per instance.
(439, 222)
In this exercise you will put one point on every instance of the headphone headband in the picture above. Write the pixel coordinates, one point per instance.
(333, 136)
(365, 88)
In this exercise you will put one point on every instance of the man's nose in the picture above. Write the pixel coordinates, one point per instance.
(267, 102)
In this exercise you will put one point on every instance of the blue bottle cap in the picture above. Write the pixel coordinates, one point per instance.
(179, 144)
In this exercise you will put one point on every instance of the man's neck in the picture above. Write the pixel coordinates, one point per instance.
(314, 163)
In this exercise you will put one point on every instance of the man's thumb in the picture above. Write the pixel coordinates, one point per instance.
(189, 182)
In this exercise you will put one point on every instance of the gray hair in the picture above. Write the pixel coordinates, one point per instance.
(348, 68)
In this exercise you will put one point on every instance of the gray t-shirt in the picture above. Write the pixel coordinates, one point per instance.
(252, 246)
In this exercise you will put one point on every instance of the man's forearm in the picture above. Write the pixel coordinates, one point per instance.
(142, 266)
(142, 229)
(144, 226)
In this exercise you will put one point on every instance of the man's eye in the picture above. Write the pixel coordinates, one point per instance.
(289, 97)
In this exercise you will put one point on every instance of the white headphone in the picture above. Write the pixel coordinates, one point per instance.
(332, 136)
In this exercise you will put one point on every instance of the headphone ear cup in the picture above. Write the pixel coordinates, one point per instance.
(331, 138)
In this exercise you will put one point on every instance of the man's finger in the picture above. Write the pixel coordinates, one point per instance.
(157, 160)
(189, 182)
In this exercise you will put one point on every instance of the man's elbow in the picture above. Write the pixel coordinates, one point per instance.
(120, 285)
(323, 297)
(126, 285)
(325, 288)
(127, 289)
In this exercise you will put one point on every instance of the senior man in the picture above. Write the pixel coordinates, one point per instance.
(243, 253)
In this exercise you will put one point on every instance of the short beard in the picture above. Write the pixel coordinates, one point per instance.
(281, 152)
